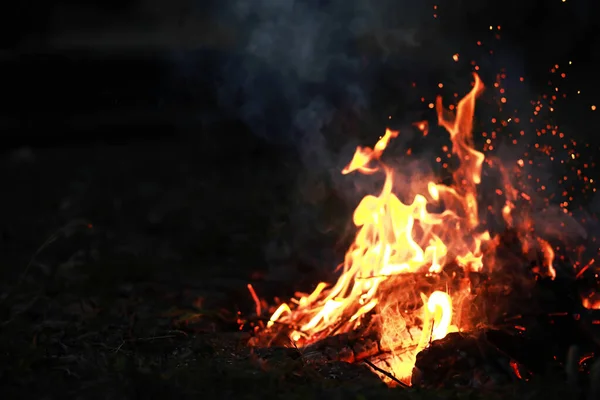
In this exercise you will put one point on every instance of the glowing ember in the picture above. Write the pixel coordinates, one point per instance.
(396, 240)
(592, 302)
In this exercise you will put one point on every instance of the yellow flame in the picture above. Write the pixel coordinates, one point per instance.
(394, 239)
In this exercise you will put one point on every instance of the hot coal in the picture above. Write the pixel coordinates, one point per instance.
(351, 347)
(527, 325)
(348, 347)
(465, 360)
(531, 333)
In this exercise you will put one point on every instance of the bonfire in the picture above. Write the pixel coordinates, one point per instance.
(382, 288)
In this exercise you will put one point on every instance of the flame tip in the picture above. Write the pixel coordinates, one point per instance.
(396, 239)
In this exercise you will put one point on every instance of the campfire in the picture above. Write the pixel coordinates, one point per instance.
(430, 270)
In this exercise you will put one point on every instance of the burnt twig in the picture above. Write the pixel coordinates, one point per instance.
(388, 374)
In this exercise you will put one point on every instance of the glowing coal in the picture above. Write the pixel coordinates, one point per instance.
(397, 239)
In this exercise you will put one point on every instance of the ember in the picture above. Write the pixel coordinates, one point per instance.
(415, 270)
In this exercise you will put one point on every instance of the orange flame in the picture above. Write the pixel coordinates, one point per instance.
(396, 240)
(592, 302)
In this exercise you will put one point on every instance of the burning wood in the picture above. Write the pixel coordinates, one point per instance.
(466, 360)
(416, 269)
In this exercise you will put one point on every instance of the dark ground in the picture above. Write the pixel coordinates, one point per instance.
(130, 227)
(123, 268)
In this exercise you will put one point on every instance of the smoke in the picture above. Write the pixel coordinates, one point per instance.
(299, 62)
(297, 67)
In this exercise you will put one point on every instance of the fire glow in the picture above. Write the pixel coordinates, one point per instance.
(396, 240)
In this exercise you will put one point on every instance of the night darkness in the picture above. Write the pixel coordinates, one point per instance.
(159, 155)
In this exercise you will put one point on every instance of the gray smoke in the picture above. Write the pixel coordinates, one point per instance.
(298, 61)
(298, 67)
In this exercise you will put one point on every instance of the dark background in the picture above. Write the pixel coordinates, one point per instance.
(157, 156)
(179, 119)
(79, 68)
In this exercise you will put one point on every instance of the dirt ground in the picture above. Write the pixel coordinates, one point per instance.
(123, 268)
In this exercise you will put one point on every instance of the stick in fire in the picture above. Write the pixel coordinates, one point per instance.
(395, 239)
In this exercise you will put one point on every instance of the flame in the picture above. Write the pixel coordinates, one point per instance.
(396, 241)
(591, 302)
